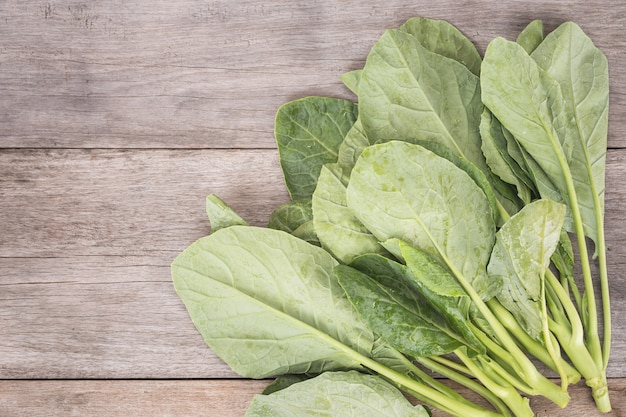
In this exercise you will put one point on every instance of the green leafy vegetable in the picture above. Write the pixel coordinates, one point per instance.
(428, 232)
(531, 36)
(248, 290)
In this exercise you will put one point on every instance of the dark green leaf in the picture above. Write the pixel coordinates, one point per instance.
(308, 134)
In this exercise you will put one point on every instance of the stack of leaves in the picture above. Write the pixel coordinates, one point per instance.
(429, 233)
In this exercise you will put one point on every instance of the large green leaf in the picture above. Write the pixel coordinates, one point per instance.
(308, 134)
(528, 102)
(407, 92)
(346, 394)
(569, 56)
(268, 303)
(404, 191)
(538, 110)
(521, 257)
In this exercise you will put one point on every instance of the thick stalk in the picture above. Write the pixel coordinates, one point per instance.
(457, 408)
(466, 382)
(509, 395)
(591, 334)
(533, 347)
(572, 341)
(604, 289)
(527, 370)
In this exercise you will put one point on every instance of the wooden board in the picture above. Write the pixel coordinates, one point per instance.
(199, 398)
(118, 118)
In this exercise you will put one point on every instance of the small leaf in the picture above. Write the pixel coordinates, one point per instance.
(351, 80)
(521, 257)
(308, 134)
(290, 216)
(220, 214)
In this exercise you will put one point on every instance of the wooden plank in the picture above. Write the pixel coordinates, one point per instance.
(63, 203)
(202, 74)
(97, 317)
(88, 236)
(191, 398)
(59, 203)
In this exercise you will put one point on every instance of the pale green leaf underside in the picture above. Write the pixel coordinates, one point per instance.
(521, 257)
(400, 190)
(267, 303)
(409, 93)
(308, 133)
(569, 56)
(345, 394)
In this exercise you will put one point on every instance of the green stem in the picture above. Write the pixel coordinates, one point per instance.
(457, 408)
(572, 341)
(525, 368)
(509, 395)
(604, 288)
(469, 383)
(581, 358)
(533, 347)
(549, 338)
(434, 383)
(591, 334)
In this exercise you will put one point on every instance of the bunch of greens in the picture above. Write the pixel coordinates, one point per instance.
(429, 232)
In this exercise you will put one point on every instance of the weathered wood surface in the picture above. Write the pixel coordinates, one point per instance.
(117, 118)
(196, 398)
(211, 73)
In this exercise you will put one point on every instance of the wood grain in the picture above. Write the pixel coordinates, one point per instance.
(117, 118)
(88, 236)
(212, 74)
(199, 398)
